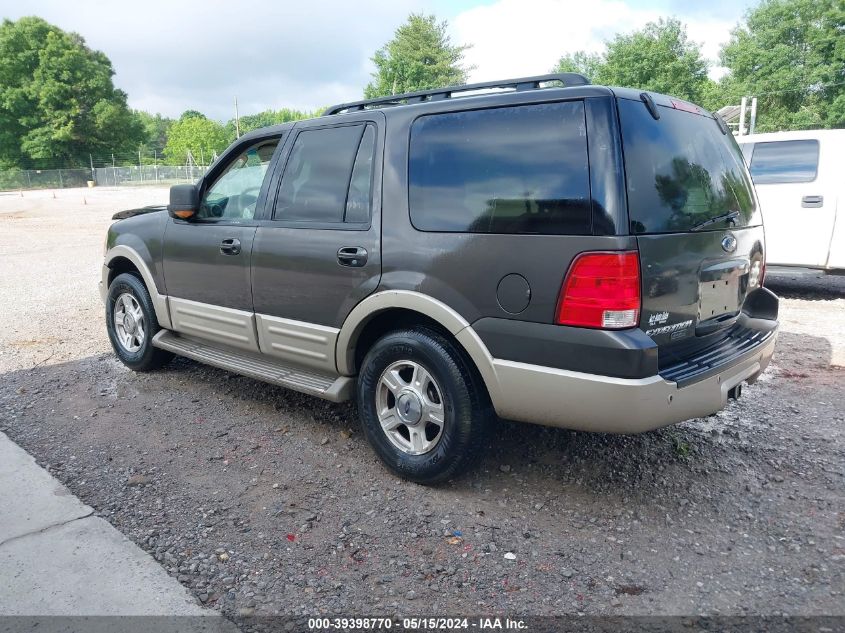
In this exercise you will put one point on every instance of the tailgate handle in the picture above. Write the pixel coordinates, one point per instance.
(812, 202)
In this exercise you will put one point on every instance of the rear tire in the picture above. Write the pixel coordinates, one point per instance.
(131, 323)
(423, 407)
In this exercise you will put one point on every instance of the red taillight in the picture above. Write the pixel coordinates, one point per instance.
(601, 290)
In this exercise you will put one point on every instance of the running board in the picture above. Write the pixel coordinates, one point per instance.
(253, 365)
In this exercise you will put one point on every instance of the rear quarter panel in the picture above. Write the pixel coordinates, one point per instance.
(463, 270)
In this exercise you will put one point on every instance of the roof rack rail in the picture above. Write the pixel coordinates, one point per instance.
(520, 84)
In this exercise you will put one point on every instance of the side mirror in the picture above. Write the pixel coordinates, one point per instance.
(184, 201)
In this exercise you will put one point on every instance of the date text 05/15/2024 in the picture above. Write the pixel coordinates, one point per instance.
(416, 624)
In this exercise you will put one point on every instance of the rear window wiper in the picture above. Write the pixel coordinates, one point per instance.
(730, 216)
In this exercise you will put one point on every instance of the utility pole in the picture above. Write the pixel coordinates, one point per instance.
(237, 119)
(742, 108)
(93, 175)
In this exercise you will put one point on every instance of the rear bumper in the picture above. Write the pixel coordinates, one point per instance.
(591, 402)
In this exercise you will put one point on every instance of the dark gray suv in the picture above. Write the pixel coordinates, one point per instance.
(538, 249)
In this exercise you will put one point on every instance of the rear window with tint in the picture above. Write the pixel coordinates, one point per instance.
(521, 169)
(785, 161)
(681, 171)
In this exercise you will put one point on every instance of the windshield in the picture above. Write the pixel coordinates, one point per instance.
(683, 172)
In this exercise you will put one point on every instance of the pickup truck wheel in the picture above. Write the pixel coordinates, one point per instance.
(422, 406)
(131, 323)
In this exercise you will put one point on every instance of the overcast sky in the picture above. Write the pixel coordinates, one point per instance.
(170, 56)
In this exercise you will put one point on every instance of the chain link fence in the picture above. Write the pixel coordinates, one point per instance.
(147, 175)
(43, 178)
(100, 176)
(144, 167)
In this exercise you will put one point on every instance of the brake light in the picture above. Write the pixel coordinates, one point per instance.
(685, 107)
(601, 290)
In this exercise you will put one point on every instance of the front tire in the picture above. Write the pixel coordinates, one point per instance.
(131, 323)
(423, 408)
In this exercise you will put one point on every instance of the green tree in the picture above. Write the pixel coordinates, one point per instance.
(419, 57)
(57, 99)
(791, 55)
(588, 64)
(659, 57)
(192, 114)
(269, 117)
(196, 134)
(155, 128)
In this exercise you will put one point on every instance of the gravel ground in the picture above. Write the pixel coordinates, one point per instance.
(261, 500)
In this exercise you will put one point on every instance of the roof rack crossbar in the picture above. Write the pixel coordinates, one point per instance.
(520, 84)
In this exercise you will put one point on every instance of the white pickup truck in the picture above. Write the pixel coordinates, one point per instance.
(800, 180)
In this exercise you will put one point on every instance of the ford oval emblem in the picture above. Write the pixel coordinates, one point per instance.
(729, 243)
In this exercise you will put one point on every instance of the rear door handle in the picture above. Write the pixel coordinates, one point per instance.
(230, 246)
(812, 202)
(352, 256)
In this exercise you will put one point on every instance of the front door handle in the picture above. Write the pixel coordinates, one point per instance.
(812, 202)
(230, 246)
(352, 256)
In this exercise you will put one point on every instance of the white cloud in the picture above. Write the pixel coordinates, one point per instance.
(170, 56)
(711, 34)
(514, 38)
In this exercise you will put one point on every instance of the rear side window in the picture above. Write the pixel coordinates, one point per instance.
(359, 199)
(520, 169)
(785, 161)
(317, 176)
(682, 173)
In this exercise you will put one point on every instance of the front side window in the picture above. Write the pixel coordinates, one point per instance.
(785, 161)
(234, 192)
(328, 176)
(521, 169)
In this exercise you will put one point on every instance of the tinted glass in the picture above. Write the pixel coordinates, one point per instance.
(785, 161)
(681, 171)
(317, 173)
(520, 169)
(360, 186)
(234, 193)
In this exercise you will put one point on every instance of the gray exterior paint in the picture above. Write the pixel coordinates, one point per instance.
(463, 270)
(143, 234)
(303, 311)
(196, 269)
(622, 354)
